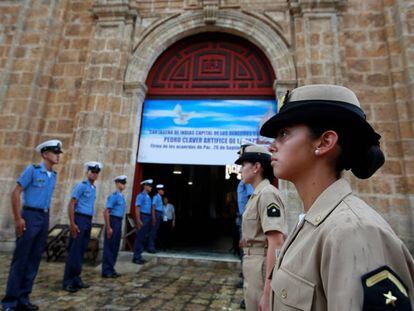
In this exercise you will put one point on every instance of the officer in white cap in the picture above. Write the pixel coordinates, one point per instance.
(157, 212)
(81, 210)
(113, 215)
(342, 255)
(143, 219)
(37, 183)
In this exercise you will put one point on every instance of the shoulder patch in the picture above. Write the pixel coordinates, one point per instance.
(84, 182)
(37, 166)
(273, 210)
(384, 290)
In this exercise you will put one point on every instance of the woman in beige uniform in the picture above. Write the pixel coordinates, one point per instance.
(263, 226)
(342, 255)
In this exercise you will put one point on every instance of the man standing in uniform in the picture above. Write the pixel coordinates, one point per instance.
(113, 215)
(143, 220)
(157, 211)
(37, 183)
(81, 209)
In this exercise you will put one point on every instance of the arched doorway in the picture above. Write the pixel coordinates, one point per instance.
(204, 94)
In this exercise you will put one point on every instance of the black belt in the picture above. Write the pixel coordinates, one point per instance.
(145, 214)
(159, 211)
(34, 209)
(83, 215)
(117, 216)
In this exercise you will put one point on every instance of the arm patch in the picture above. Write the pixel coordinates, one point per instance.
(273, 210)
(384, 290)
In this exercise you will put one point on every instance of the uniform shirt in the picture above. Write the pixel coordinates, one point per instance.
(85, 194)
(264, 212)
(116, 203)
(157, 201)
(144, 202)
(168, 212)
(323, 260)
(244, 191)
(37, 186)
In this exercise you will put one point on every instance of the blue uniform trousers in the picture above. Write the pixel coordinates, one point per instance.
(141, 234)
(26, 258)
(111, 246)
(76, 251)
(154, 231)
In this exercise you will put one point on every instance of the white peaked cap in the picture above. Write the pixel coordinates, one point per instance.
(91, 164)
(120, 177)
(147, 181)
(52, 144)
(160, 186)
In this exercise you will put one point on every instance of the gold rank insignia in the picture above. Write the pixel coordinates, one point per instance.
(282, 100)
(273, 210)
(384, 290)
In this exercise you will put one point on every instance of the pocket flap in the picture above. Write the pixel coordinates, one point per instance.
(292, 290)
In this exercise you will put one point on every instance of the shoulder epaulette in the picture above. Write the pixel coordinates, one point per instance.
(36, 166)
(114, 193)
(84, 182)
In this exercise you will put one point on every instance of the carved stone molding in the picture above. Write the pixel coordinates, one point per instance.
(113, 10)
(138, 88)
(299, 7)
(210, 13)
(281, 86)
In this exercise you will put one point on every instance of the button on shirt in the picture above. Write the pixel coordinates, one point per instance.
(85, 194)
(144, 202)
(244, 191)
(116, 204)
(37, 186)
(157, 201)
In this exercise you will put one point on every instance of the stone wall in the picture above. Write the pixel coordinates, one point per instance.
(76, 70)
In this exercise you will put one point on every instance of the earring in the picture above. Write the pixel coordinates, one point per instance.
(317, 152)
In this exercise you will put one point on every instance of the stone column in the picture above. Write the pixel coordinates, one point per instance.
(317, 40)
(102, 130)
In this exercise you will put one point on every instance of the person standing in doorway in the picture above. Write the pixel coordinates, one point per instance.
(263, 228)
(81, 210)
(342, 255)
(37, 183)
(113, 216)
(168, 223)
(143, 219)
(156, 212)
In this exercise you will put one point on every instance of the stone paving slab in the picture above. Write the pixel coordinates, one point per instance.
(158, 285)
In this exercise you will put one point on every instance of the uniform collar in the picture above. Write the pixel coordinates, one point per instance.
(327, 201)
(43, 168)
(260, 186)
(89, 183)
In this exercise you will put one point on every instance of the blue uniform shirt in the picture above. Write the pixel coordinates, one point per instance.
(85, 194)
(116, 204)
(144, 201)
(244, 191)
(37, 186)
(157, 201)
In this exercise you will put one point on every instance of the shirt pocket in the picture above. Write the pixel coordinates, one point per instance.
(291, 292)
(39, 181)
(250, 213)
(87, 193)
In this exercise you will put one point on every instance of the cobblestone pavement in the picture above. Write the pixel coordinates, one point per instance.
(159, 285)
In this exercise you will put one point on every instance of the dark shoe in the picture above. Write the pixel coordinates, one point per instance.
(152, 251)
(109, 276)
(70, 288)
(139, 261)
(242, 304)
(27, 307)
(117, 275)
(82, 285)
(239, 285)
(10, 309)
